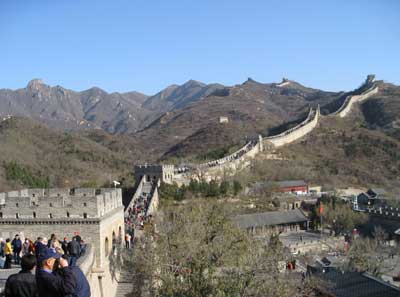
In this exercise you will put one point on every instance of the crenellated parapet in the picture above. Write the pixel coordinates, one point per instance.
(352, 99)
(68, 204)
(296, 132)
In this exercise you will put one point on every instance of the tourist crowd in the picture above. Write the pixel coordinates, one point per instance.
(12, 250)
(136, 218)
(48, 267)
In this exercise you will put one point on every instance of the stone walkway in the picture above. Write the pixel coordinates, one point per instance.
(125, 284)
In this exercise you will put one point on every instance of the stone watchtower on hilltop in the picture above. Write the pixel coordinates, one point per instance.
(162, 173)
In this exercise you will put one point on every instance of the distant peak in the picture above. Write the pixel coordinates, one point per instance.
(97, 90)
(192, 82)
(250, 80)
(35, 84)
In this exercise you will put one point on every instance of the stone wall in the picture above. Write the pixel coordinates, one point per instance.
(350, 100)
(165, 173)
(154, 201)
(58, 203)
(228, 164)
(297, 132)
(103, 232)
(233, 162)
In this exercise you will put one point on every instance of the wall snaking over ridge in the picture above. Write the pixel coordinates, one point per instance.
(350, 100)
(297, 132)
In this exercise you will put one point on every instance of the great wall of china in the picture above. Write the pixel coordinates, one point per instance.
(242, 157)
(230, 163)
(98, 215)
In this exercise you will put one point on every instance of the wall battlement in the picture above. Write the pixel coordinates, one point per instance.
(350, 100)
(297, 132)
(39, 204)
(164, 173)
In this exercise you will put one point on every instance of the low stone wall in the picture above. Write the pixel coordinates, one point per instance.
(154, 200)
(350, 100)
(102, 280)
(297, 132)
(232, 166)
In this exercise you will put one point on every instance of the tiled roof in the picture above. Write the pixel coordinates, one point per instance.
(270, 218)
(355, 284)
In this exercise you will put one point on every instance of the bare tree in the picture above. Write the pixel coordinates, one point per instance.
(196, 251)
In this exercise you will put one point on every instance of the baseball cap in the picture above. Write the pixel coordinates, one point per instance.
(49, 253)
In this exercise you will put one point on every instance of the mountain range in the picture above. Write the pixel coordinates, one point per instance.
(178, 124)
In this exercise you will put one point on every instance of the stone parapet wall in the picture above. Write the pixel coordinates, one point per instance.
(59, 203)
(228, 166)
(297, 132)
(154, 201)
(350, 100)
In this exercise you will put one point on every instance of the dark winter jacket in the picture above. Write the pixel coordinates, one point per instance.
(16, 245)
(22, 284)
(82, 285)
(74, 248)
(56, 284)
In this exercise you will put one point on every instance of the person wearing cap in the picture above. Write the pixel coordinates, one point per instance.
(23, 284)
(51, 283)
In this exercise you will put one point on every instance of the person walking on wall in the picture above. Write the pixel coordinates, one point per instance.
(23, 284)
(17, 247)
(25, 247)
(74, 250)
(8, 252)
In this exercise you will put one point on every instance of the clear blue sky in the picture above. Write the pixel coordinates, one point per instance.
(145, 45)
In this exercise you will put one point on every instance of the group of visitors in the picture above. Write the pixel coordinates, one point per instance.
(48, 268)
(11, 251)
(136, 218)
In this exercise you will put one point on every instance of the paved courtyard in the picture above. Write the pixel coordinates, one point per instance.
(297, 237)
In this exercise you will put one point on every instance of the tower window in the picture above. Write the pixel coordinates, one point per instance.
(16, 204)
(67, 214)
(84, 204)
(17, 215)
(34, 214)
(50, 215)
(85, 215)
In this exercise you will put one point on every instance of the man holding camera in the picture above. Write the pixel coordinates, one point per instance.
(54, 277)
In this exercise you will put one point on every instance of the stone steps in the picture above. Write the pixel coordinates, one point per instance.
(125, 284)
